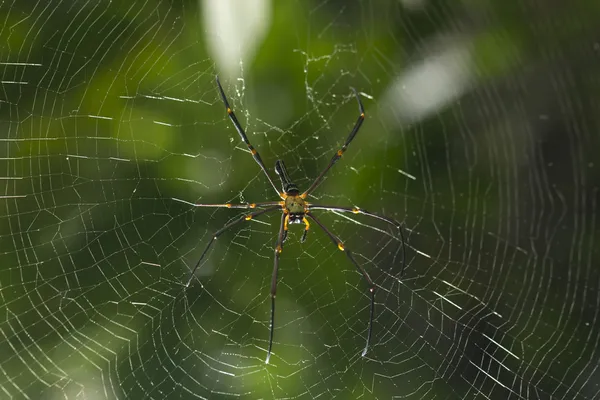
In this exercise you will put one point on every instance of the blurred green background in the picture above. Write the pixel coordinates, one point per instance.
(481, 137)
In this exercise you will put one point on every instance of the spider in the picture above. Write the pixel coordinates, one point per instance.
(297, 210)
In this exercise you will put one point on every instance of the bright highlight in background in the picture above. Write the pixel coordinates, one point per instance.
(234, 31)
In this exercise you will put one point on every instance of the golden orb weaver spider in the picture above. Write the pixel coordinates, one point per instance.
(296, 210)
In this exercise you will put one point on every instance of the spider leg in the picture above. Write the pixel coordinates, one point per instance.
(278, 249)
(285, 230)
(306, 228)
(338, 154)
(218, 233)
(356, 210)
(336, 240)
(242, 134)
(231, 205)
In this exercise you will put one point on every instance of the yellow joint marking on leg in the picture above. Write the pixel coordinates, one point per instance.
(362, 115)
(356, 210)
(253, 151)
(278, 249)
(340, 152)
(306, 223)
(285, 222)
(229, 110)
(248, 217)
(252, 205)
(303, 196)
(228, 205)
(341, 246)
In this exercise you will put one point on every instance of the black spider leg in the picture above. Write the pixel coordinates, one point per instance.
(240, 130)
(233, 205)
(218, 233)
(356, 210)
(338, 154)
(278, 250)
(360, 269)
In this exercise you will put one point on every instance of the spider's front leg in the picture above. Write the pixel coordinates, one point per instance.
(356, 210)
(278, 250)
(336, 240)
(222, 230)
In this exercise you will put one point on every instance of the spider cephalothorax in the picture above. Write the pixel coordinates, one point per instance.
(296, 210)
(293, 202)
(296, 207)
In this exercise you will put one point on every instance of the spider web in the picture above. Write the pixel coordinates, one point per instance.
(481, 137)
